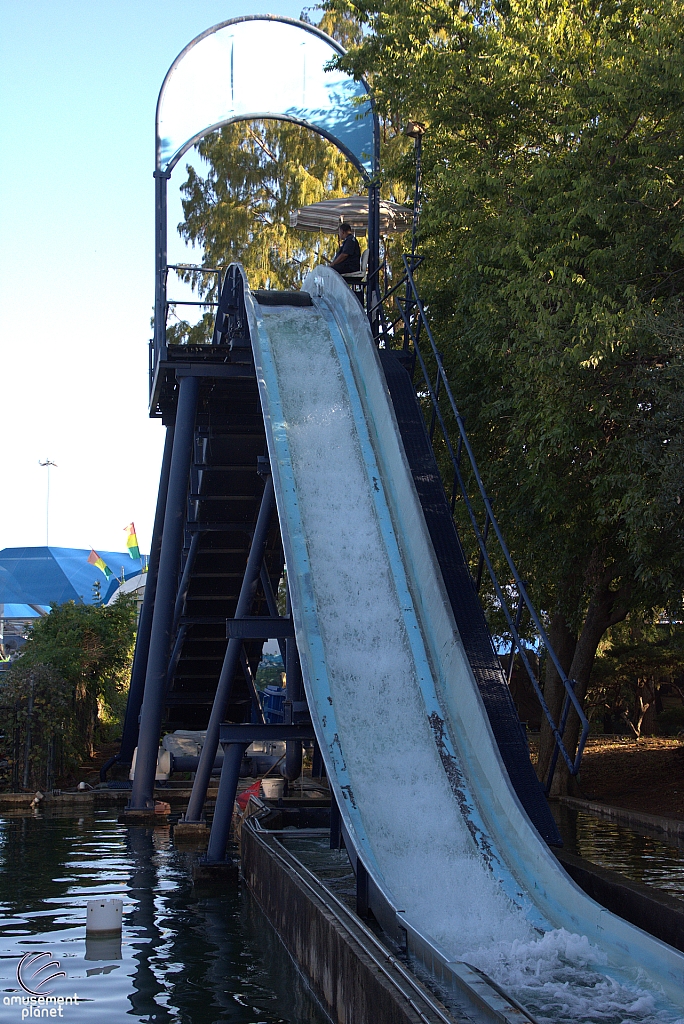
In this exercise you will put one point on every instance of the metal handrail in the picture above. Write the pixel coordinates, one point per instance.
(412, 301)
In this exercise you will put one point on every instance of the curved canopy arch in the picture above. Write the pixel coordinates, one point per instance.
(261, 67)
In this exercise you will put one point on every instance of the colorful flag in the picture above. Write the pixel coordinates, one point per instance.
(100, 563)
(243, 799)
(132, 541)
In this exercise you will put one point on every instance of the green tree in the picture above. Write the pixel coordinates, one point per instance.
(258, 173)
(70, 681)
(636, 660)
(553, 184)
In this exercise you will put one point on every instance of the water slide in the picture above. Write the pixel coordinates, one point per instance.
(451, 858)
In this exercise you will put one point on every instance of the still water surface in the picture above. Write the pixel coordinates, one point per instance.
(188, 956)
(643, 858)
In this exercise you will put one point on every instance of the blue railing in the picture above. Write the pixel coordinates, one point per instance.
(412, 314)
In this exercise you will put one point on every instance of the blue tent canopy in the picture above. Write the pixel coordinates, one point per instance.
(43, 576)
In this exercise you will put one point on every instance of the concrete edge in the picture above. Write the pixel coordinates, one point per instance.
(648, 908)
(340, 969)
(634, 819)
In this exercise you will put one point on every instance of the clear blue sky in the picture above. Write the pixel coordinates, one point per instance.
(79, 81)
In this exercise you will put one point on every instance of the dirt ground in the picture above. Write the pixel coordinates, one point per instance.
(647, 775)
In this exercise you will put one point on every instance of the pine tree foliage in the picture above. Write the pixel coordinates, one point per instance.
(258, 173)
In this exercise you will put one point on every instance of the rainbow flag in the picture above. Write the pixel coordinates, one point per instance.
(132, 541)
(100, 563)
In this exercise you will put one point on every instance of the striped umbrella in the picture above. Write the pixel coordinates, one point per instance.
(327, 216)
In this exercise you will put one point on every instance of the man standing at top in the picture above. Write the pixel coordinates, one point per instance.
(348, 257)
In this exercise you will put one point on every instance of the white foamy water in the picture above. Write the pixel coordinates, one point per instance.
(420, 840)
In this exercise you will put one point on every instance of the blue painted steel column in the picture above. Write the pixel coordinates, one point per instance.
(225, 801)
(142, 643)
(231, 658)
(294, 693)
(142, 797)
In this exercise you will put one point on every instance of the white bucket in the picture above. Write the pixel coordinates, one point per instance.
(273, 789)
(104, 916)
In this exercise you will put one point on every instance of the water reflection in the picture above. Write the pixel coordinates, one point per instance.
(187, 957)
(643, 858)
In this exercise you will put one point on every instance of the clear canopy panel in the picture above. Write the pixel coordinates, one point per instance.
(262, 67)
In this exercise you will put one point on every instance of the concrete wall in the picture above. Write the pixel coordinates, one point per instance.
(333, 956)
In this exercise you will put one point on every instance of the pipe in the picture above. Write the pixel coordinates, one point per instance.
(225, 799)
(292, 768)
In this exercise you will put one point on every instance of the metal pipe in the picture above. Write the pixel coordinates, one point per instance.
(175, 654)
(292, 768)
(480, 563)
(185, 579)
(251, 682)
(230, 661)
(142, 644)
(573, 766)
(511, 660)
(142, 796)
(225, 800)
(189, 762)
(433, 421)
(416, 195)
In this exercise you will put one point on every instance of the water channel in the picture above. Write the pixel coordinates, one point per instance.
(191, 955)
(642, 857)
(188, 956)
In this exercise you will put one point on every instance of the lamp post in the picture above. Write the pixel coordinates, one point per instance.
(47, 463)
(416, 130)
(413, 130)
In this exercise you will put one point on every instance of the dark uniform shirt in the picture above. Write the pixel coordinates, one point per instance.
(350, 247)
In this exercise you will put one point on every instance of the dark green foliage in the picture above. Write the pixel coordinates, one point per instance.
(554, 182)
(69, 686)
(671, 721)
(269, 675)
(637, 663)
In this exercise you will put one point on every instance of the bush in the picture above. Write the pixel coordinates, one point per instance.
(67, 691)
(671, 721)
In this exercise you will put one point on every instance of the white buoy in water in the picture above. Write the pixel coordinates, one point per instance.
(104, 917)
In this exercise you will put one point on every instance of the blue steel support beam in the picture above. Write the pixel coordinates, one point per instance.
(185, 579)
(142, 645)
(292, 768)
(231, 658)
(179, 607)
(225, 800)
(142, 796)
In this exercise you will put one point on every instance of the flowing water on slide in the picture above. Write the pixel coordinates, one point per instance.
(419, 838)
